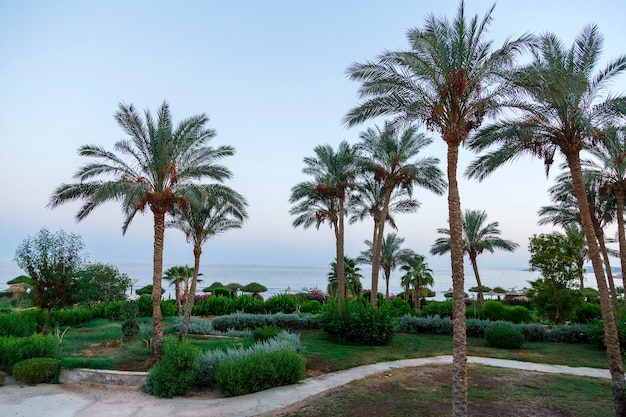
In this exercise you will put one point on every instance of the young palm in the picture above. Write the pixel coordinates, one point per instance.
(390, 156)
(157, 167)
(608, 167)
(217, 210)
(567, 104)
(391, 252)
(175, 276)
(416, 274)
(353, 277)
(450, 80)
(324, 198)
(477, 238)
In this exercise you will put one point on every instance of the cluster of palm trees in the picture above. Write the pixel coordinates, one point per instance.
(163, 168)
(452, 79)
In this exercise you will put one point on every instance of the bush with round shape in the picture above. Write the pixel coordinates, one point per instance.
(505, 337)
(221, 292)
(37, 371)
(311, 306)
(113, 310)
(281, 303)
(518, 314)
(437, 308)
(174, 373)
(14, 349)
(493, 310)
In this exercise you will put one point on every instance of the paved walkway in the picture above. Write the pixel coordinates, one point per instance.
(79, 400)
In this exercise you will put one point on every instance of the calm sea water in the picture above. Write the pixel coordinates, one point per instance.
(277, 278)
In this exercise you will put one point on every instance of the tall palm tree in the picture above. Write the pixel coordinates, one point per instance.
(566, 103)
(219, 209)
(416, 274)
(609, 169)
(157, 167)
(352, 273)
(450, 80)
(390, 155)
(390, 253)
(477, 238)
(324, 198)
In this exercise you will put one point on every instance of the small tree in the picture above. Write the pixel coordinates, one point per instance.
(52, 260)
(555, 294)
(100, 282)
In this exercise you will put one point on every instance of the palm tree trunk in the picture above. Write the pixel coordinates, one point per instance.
(481, 298)
(459, 354)
(621, 235)
(609, 273)
(191, 294)
(157, 273)
(387, 278)
(378, 225)
(610, 330)
(177, 295)
(417, 296)
(339, 250)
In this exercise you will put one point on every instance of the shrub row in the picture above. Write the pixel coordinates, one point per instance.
(15, 349)
(245, 321)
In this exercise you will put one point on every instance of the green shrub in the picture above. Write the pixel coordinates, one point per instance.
(221, 292)
(144, 302)
(281, 303)
(174, 373)
(437, 308)
(113, 310)
(168, 308)
(147, 290)
(533, 332)
(130, 316)
(259, 371)
(587, 313)
(311, 306)
(493, 310)
(517, 314)
(245, 321)
(265, 332)
(3, 376)
(506, 337)
(398, 306)
(18, 323)
(15, 349)
(571, 333)
(72, 316)
(37, 371)
(359, 323)
(248, 304)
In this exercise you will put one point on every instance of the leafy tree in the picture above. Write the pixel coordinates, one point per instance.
(390, 254)
(567, 102)
(100, 282)
(158, 167)
(390, 155)
(416, 274)
(324, 198)
(477, 238)
(352, 275)
(450, 80)
(556, 256)
(52, 261)
(220, 209)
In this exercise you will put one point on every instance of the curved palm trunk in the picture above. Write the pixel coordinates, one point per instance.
(190, 297)
(459, 354)
(481, 298)
(610, 329)
(157, 273)
(339, 249)
(621, 235)
(609, 273)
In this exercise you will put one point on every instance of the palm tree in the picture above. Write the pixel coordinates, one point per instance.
(220, 209)
(157, 167)
(477, 238)
(416, 274)
(390, 156)
(325, 197)
(450, 80)
(174, 275)
(352, 275)
(390, 252)
(567, 102)
(609, 169)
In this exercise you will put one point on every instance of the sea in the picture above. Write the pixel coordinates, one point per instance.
(287, 278)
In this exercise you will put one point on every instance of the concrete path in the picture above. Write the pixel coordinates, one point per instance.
(80, 400)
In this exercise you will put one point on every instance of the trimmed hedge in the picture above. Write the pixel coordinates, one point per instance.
(37, 371)
(259, 371)
(244, 321)
(506, 337)
(15, 349)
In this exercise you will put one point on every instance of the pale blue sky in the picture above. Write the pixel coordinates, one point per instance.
(271, 76)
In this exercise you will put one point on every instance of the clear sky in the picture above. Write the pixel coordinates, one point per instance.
(271, 76)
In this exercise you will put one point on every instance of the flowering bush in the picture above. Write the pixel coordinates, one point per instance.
(318, 295)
